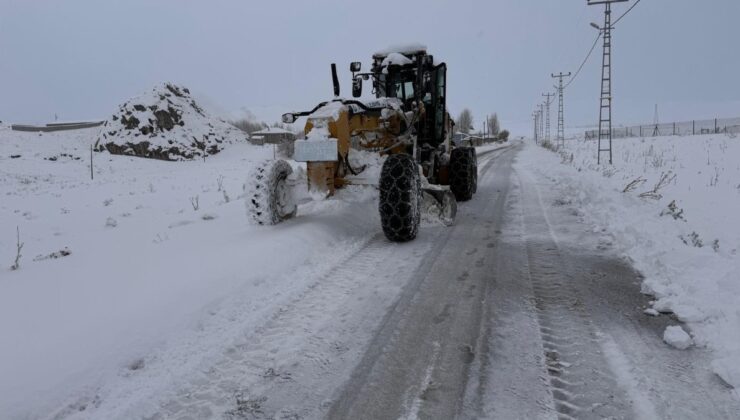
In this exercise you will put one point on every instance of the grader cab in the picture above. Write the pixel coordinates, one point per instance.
(407, 121)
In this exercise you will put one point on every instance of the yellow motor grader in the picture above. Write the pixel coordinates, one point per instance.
(407, 121)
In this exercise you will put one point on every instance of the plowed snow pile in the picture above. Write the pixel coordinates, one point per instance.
(166, 123)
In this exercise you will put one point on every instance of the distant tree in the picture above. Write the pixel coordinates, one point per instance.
(248, 125)
(465, 121)
(503, 135)
(493, 125)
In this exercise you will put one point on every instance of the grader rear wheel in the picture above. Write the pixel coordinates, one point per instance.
(463, 173)
(474, 155)
(400, 198)
(269, 198)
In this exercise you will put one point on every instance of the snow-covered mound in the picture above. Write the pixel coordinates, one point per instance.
(166, 123)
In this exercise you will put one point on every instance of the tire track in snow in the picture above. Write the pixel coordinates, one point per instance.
(290, 365)
(581, 381)
(419, 362)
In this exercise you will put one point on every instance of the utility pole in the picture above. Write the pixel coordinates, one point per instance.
(561, 110)
(542, 119)
(656, 121)
(485, 136)
(535, 117)
(605, 106)
(548, 101)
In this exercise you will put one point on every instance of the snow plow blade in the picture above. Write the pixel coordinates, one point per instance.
(439, 205)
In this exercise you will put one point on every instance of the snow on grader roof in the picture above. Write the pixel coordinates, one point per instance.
(395, 59)
(410, 48)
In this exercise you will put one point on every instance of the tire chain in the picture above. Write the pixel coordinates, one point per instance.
(400, 198)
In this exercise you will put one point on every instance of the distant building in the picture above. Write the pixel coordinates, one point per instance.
(462, 139)
(272, 135)
(257, 140)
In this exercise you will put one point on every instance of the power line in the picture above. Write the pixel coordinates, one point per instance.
(596, 41)
(625, 13)
(593, 47)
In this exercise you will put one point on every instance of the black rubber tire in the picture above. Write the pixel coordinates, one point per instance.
(474, 155)
(400, 198)
(267, 200)
(463, 173)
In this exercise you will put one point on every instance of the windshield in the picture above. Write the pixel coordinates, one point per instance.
(400, 85)
(403, 90)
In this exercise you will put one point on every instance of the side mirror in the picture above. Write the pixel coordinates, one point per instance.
(289, 118)
(357, 87)
(355, 66)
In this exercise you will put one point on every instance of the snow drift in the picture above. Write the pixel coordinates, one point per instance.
(166, 123)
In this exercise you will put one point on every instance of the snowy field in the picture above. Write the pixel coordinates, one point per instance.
(669, 204)
(137, 282)
(160, 256)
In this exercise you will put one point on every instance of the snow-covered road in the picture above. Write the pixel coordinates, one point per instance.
(519, 310)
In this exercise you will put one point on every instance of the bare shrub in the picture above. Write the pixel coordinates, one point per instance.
(693, 239)
(658, 161)
(18, 247)
(674, 211)
(714, 180)
(634, 184)
(665, 179)
(195, 202)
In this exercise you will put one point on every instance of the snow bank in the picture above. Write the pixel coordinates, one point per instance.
(166, 123)
(683, 235)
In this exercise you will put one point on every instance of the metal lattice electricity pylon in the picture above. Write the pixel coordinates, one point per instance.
(541, 112)
(561, 109)
(548, 101)
(605, 106)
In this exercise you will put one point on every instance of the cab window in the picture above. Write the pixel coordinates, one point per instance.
(403, 90)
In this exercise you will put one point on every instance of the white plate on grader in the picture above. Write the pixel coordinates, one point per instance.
(424, 172)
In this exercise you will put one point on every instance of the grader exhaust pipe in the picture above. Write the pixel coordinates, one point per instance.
(335, 79)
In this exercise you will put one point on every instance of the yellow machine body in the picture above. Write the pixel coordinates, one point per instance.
(369, 132)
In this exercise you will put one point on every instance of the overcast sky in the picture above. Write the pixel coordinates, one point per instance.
(81, 58)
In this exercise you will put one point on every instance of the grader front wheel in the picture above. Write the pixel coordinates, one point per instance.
(269, 198)
(400, 198)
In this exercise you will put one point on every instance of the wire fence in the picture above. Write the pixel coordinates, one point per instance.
(684, 128)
